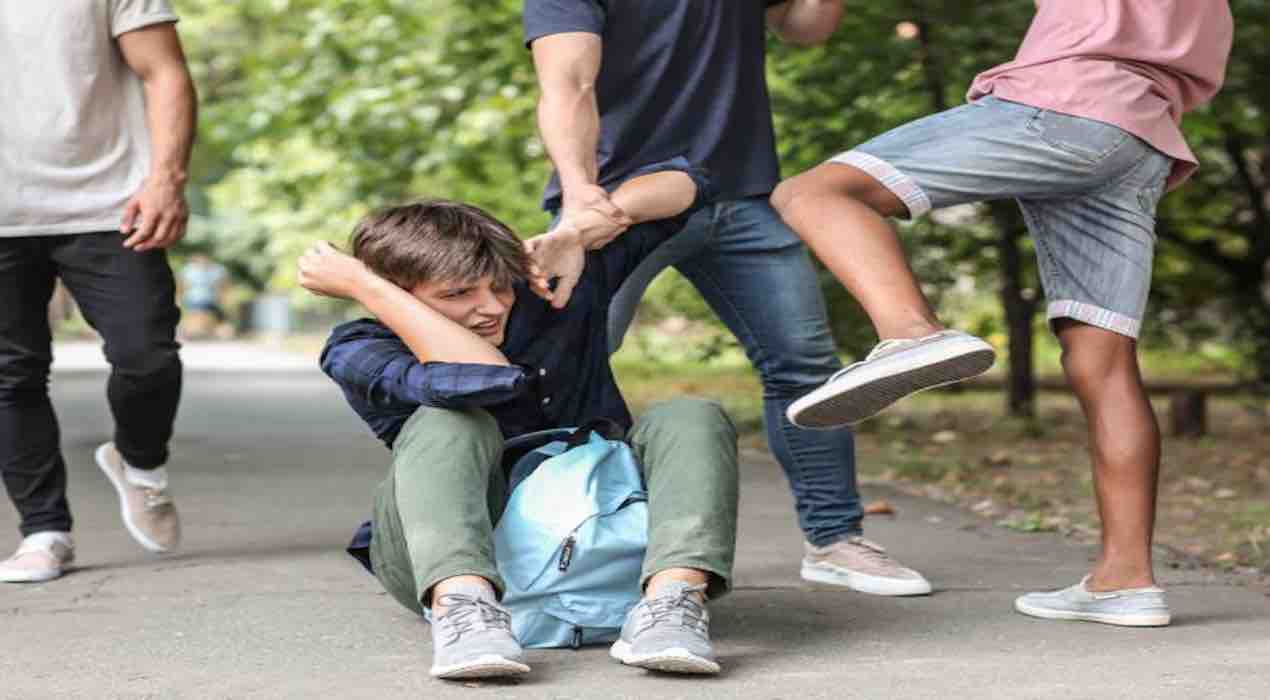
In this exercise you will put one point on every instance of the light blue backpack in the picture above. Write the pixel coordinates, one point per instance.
(570, 544)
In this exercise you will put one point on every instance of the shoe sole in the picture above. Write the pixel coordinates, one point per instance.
(39, 577)
(863, 583)
(865, 392)
(488, 666)
(116, 480)
(1121, 620)
(673, 660)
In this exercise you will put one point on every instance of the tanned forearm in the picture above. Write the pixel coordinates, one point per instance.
(656, 196)
(568, 114)
(429, 335)
(569, 122)
(171, 114)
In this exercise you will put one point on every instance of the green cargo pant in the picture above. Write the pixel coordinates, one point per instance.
(435, 513)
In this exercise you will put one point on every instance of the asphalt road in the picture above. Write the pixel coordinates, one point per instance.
(271, 473)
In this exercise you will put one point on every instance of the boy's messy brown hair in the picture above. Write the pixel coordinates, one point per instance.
(438, 239)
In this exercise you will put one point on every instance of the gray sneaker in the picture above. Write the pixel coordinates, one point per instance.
(474, 638)
(894, 369)
(668, 633)
(1129, 607)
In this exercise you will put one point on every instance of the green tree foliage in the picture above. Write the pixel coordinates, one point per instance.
(316, 110)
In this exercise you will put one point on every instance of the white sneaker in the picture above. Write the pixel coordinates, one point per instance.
(42, 556)
(862, 566)
(894, 369)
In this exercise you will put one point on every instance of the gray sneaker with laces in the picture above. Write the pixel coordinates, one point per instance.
(894, 369)
(1130, 607)
(670, 632)
(474, 638)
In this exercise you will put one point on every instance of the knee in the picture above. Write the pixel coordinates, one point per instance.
(805, 190)
(23, 377)
(144, 358)
(691, 413)
(450, 429)
(792, 193)
(1091, 367)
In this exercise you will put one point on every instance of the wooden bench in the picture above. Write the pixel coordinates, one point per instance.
(1188, 401)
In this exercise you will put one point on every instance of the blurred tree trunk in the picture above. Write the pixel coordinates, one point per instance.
(1006, 218)
(1020, 399)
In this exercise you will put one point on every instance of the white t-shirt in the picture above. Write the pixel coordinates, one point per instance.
(73, 140)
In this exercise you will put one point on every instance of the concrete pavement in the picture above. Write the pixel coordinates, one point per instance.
(272, 471)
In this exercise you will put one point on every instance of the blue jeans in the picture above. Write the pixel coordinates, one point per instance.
(757, 276)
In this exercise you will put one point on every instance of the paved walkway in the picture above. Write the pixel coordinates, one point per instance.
(271, 473)
(198, 356)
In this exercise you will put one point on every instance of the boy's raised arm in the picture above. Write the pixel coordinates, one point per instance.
(429, 335)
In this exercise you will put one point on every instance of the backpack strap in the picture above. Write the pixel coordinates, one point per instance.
(606, 428)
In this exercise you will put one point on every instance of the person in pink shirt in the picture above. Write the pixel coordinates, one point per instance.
(1083, 130)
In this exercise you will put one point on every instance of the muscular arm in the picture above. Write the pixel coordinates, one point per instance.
(154, 53)
(567, 66)
(805, 22)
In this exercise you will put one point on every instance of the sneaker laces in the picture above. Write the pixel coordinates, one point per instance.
(885, 347)
(156, 498)
(663, 609)
(465, 613)
(870, 551)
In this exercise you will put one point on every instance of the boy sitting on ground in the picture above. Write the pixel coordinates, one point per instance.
(465, 354)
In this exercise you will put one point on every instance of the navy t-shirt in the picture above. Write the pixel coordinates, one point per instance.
(678, 78)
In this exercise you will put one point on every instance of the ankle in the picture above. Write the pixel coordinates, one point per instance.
(1107, 578)
(909, 328)
(661, 579)
(466, 585)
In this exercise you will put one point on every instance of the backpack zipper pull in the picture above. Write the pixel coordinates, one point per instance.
(566, 553)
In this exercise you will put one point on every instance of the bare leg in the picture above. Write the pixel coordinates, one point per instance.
(1102, 368)
(839, 211)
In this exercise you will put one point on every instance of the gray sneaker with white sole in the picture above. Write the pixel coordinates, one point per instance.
(1129, 607)
(894, 369)
(669, 633)
(474, 639)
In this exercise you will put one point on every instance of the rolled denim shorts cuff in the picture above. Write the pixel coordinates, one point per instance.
(901, 185)
(1094, 316)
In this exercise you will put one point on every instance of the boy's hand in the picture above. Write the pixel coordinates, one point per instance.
(327, 271)
(590, 212)
(560, 256)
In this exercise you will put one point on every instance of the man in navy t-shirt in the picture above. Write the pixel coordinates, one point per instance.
(631, 82)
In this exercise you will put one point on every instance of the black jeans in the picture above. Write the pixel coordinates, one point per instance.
(129, 298)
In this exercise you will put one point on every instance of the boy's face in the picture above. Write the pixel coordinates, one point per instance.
(478, 305)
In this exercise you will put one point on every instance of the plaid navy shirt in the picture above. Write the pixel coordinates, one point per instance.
(559, 376)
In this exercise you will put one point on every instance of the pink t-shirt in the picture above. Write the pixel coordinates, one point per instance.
(1137, 64)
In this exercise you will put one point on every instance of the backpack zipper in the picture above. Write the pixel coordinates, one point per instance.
(571, 542)
(566, 553)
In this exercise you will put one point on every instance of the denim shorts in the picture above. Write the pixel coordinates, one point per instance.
(1088, 191)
